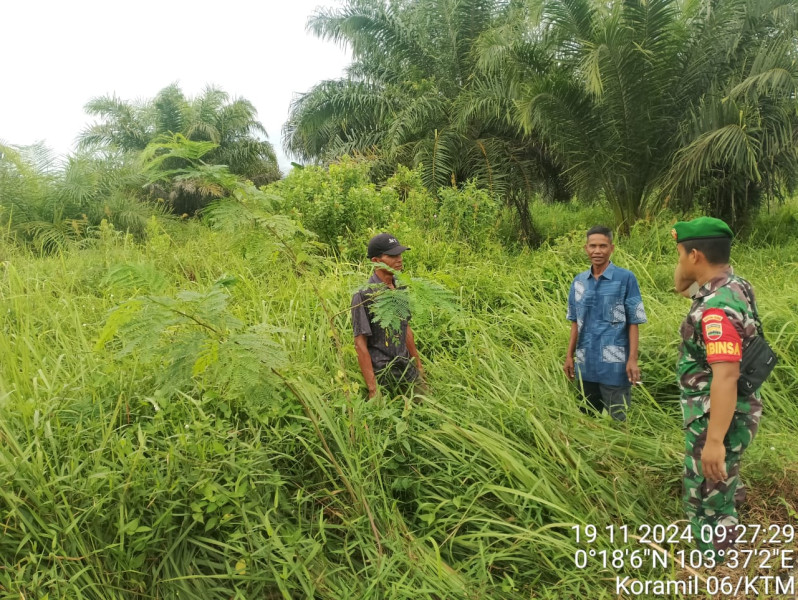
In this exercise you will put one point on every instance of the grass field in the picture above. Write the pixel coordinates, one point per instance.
(213, 441)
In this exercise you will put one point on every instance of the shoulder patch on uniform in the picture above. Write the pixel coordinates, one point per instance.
(722, 340)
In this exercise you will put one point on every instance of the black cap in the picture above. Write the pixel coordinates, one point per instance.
(385, 243)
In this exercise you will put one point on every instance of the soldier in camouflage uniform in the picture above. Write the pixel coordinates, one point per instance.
(719, 425)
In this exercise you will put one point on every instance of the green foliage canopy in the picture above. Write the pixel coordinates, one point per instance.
(230, 124)
(414, 95)
(638, 102)
(49, 203)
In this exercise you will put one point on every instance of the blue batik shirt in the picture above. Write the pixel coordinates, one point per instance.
(603, 309)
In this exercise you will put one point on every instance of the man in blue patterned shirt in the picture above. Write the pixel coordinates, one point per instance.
(605, 309)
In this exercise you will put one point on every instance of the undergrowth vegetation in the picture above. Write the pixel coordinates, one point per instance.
(184, 417)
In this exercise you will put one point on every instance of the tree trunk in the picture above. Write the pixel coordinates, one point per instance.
(530, 236)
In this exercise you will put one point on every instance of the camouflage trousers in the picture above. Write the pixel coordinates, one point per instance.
(713, 504)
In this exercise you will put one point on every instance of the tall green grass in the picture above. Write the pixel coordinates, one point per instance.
(112, 486)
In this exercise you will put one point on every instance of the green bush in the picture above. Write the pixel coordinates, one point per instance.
(335, 203)
(469, 214)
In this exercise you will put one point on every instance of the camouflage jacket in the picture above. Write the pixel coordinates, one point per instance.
(720, 321)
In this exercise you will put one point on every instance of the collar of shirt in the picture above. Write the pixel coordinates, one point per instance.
(376, 279)
(711, 286)
(607, 274)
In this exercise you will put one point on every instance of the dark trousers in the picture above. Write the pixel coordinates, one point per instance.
(398, 378)
(599, 396)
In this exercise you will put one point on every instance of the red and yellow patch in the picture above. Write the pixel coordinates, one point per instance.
(713, 331)
(674, 234)
(722, 348)
(720, 336)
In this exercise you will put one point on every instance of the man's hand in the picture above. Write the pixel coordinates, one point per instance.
(568, 367)
(722, 402)
(632, 371)
(373, 392)
(713, 461)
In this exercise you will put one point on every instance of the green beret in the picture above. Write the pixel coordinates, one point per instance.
(702, 228)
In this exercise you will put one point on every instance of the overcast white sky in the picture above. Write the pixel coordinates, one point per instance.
(58, 54)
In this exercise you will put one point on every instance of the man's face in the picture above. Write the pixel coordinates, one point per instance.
(599, 249)
(395, 262)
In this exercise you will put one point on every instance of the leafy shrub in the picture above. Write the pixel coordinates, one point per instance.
(470, 214)
(336, 202)
(413, 199)
(48, 205)
(193, 339)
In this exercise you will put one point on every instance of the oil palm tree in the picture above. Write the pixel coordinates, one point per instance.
(605, 104)
(231, 124)
(652, 99)
(175, 170)
(738, 142)
(49, 204)
(415, 95)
